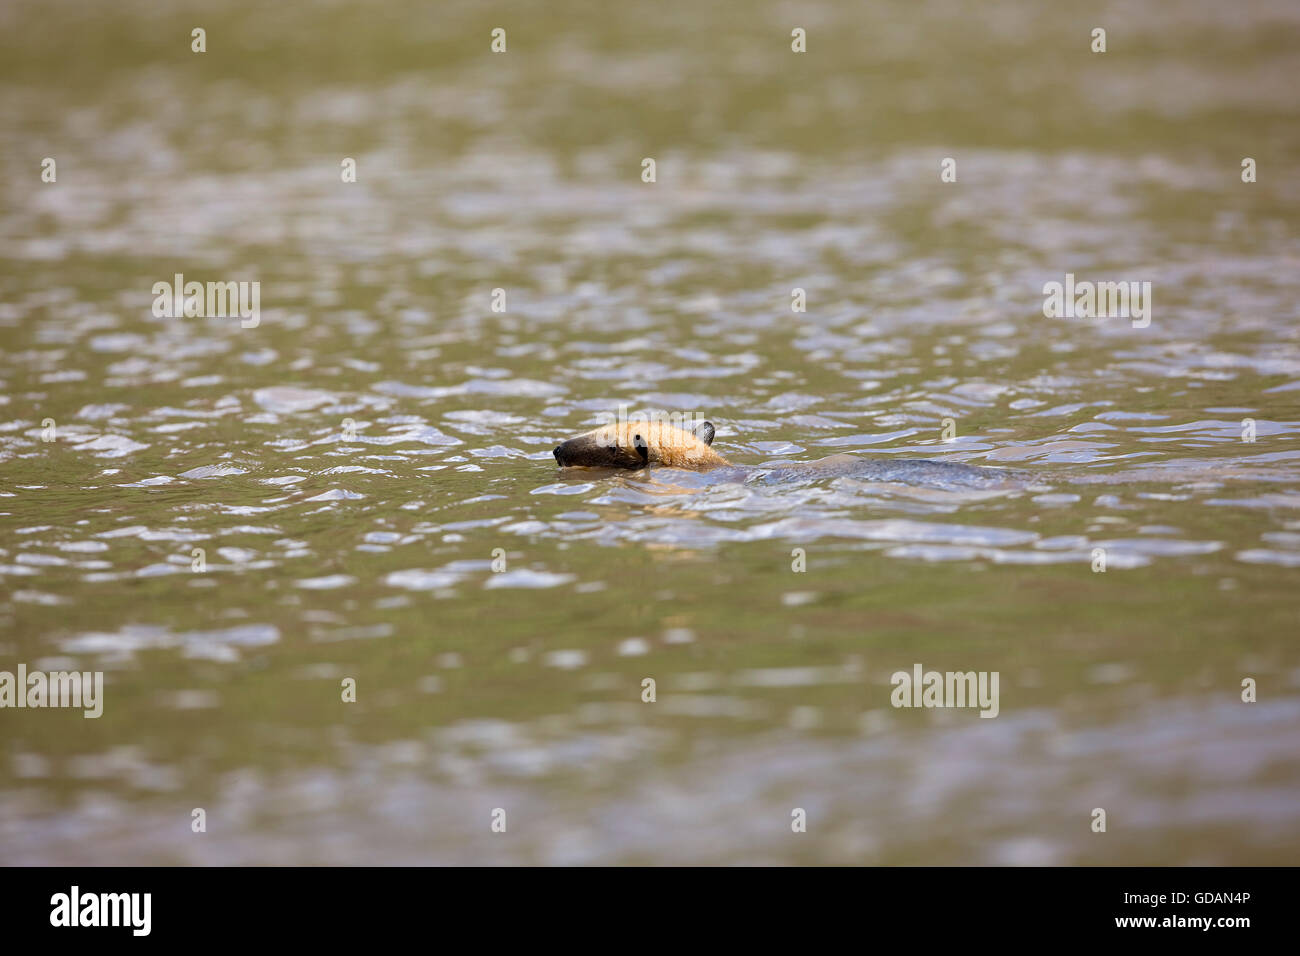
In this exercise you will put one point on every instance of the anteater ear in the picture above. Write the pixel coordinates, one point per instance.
(705, 433)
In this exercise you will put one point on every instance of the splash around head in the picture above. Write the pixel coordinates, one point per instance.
(640, 444)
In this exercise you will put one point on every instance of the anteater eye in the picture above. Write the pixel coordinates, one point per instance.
(611, 448)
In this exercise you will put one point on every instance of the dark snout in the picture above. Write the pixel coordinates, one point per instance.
(586, 452)
(572, 452)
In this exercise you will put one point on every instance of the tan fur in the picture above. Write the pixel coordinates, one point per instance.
(617, 446)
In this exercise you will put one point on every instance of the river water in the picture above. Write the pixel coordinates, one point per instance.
(233, 522)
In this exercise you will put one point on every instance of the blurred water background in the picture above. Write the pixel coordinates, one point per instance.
(365, 550)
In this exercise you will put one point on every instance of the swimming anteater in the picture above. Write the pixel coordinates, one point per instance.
(640, 444)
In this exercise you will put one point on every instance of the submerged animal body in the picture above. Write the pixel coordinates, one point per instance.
(641, 444)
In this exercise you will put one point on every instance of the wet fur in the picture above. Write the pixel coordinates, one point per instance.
(640, 444)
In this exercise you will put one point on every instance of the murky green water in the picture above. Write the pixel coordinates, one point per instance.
(364, 550)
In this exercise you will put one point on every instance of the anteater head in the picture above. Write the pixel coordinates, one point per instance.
(639, 444)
